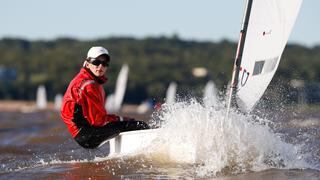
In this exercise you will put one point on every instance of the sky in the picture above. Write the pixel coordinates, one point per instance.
(200, 20)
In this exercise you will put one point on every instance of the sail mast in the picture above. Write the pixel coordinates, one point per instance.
(236, 68)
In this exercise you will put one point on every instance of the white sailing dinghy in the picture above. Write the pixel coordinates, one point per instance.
(265, 31)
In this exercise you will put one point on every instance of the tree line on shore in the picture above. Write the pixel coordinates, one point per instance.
(153, 62)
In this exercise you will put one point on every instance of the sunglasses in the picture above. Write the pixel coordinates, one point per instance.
(97, 62)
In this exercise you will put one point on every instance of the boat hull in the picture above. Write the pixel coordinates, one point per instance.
(150, 142)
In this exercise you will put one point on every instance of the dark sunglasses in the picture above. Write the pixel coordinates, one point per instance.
(97, 62)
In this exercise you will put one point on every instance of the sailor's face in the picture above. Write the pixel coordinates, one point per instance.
(98, 66)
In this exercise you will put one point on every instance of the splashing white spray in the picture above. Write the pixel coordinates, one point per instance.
(219, 145)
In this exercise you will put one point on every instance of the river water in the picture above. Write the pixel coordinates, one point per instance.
(36, 144)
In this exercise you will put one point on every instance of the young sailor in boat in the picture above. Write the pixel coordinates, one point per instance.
(83, 104)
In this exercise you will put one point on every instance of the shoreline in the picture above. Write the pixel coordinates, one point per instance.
(21, 106)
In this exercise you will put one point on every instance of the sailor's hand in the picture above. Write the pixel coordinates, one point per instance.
(126, 119)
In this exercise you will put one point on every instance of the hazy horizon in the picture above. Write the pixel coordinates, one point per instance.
(88, 20)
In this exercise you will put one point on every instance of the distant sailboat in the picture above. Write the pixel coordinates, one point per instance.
(41, 100)
(210, 94)
(114, 102)
(57, 101)
(110, 103)
(171, 93)
(266, 28)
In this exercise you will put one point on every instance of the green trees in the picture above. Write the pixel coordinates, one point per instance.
(153, 63)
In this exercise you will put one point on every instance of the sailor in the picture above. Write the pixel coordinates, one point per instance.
(83, 103)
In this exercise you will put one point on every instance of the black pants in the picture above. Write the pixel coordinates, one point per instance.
(92, 137)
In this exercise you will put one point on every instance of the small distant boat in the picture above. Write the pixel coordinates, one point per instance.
(41, 100)
(210, 95)
(114, 101)
(171, 93)
(58, 101)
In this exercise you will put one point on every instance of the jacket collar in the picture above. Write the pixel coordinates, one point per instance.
(101, 80)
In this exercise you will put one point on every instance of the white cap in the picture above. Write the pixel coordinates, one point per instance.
(96, 51)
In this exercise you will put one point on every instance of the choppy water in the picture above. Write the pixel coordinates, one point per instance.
(37, 145)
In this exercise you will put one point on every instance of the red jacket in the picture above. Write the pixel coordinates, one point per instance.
(87, 91)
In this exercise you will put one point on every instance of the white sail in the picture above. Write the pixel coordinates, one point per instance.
(114, 104)
(210, 95)
(110, 104)
(41, 97)
(269, 26)
(58, 101)
(171, 93)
